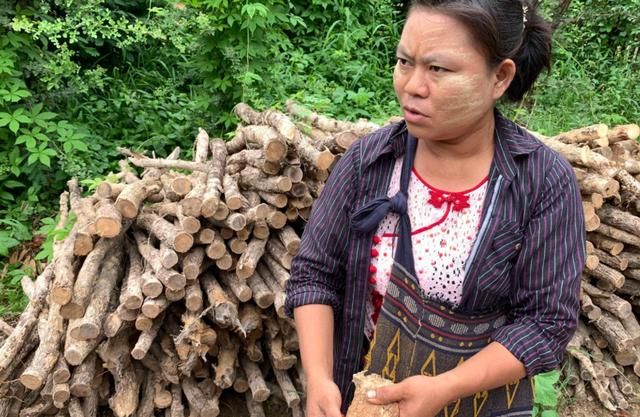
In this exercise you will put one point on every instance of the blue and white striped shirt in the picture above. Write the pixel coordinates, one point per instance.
(527, 259)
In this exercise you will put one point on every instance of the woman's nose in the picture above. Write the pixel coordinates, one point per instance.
(416, 84)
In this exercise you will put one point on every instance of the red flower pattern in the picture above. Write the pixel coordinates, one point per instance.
(458, 200)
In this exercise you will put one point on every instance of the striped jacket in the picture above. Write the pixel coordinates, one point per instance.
(527, 257)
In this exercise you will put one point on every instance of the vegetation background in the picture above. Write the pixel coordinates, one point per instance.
(80, 77)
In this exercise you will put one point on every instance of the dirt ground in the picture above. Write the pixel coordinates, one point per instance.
(593, 409)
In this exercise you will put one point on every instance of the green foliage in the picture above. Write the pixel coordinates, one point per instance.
(546, 394)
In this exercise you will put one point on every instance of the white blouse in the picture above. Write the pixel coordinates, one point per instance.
(444, 226)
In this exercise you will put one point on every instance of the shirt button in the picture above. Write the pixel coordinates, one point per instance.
(518, 246)
(373, 269)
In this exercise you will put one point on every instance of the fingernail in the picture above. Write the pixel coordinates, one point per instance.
(371, 394)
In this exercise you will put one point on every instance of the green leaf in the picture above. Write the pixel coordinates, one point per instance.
(79, 145)
(5, 118)
(14, 125)
(45, 159)
(12, 184)
(32, 158)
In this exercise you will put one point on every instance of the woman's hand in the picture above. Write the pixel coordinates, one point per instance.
(417, 396)
(323, 398)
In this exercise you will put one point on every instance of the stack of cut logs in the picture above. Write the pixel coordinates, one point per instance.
(169, 288)
(604, 354)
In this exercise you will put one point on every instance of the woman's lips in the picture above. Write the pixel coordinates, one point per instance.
(413, 116)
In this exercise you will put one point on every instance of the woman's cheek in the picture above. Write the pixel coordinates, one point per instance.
(461, 98)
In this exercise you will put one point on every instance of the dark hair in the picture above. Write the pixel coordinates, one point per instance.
(499, 27)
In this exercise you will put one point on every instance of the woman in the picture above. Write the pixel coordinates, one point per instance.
(445, 251)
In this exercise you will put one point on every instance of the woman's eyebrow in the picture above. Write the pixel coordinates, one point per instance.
(425, 60)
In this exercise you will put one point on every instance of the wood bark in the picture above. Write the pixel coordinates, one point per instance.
(133, 195)
(89, 326)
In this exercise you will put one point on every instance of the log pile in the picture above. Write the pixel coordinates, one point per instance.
(169, 289)
(604, 354)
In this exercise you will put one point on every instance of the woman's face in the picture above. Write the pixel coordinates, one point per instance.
(441, 78)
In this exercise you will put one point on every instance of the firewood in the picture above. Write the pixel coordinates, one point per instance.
(277, 200)
(192, 263)
(225, 263)
(84, 282)
(145, 339)
(85, 219)
(172, 236)
(275, 286)
(115, 354)
(169, 278)
(60, 394)
(610, 302)
(227, 355)
(583, 134)
(259, 390)
(617, 396)
(110, 190)
(617, 262)
(216, 249)
(193, 297)
(273, 145)
(254, 407)
(224, 311)
(88, 327)
(591, 261)
(633, 273)
(631, 325)
(151, 285)
(145, 406)
(133, 195)
(12, 345)
(177, 408)
(261, 293)
(607, 274)
(603, 394)
(143, 323)
(276, 219)
(82, 378)
(611, 328)
(235, 222)
(236, 285)
(108, 220)
(277, 270)
(606, 244)
(168, 257)
(261, 228)
(61, 371)
(289, 239)
(288, 390)
(620, 219)
(249, 259)
(623, 132)
(162, 397)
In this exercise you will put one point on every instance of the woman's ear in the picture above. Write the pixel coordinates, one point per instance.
(503, 75)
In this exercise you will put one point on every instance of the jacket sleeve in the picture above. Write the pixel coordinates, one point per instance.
(545, 294)
(318, 270)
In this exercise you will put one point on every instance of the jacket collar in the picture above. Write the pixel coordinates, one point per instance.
(512, 141)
